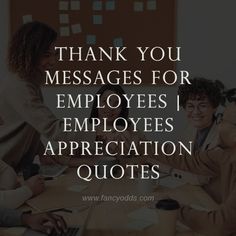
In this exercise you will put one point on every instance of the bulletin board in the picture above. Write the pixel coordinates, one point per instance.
(105, 23)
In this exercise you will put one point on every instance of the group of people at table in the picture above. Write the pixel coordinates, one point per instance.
(25, 119)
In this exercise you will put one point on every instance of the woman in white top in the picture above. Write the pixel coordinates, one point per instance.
(26, 118)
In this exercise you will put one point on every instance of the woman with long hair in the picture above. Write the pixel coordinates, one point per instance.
(25, 116)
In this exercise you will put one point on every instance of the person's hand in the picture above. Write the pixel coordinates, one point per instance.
(45, 222)
(36, 184)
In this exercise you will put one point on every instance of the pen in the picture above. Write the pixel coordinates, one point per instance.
(61, 209)
(76, 210)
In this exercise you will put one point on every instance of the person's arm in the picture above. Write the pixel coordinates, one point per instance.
(14, 198)
(10, 217)
(8, 177)
(3, 166)
(26, 100)
(10, 196)
(217, 222)
(43, 222)
(203, 163)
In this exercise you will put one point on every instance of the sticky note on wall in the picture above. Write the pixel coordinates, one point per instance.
(64, 18)
(110, 5)
(65, 31)
(118, 42)
(91, 39)
(76, 28)
(75, 5)
(97, 5)
(151, 5)
(97, 19)
(27, 18)
(63, 6)
(138, 6)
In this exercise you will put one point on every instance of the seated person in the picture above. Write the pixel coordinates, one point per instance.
(218, 161)
(111, 114)
(43, 222)
(26, 119)
(12, 195)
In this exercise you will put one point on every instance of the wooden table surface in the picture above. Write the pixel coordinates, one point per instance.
(103, 217)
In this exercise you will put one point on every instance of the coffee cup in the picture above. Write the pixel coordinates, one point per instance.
(167, 210)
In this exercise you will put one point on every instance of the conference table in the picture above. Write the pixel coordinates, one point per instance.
(109, 207)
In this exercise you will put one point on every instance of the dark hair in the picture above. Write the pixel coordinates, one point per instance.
(27, 46)
(200, 87)
(119, 91)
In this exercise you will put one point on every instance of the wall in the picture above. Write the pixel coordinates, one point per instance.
(205, 33)
(205, 30)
